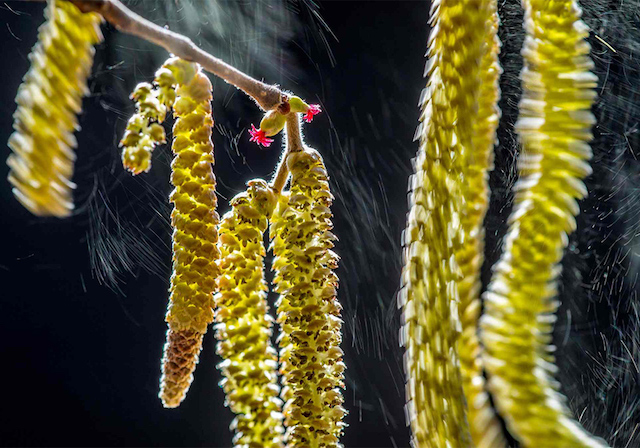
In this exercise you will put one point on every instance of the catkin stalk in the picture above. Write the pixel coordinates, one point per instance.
(195, 233)
(49, 100)
(308, 311)
(243, 321)
(434, 235)
(555, 128)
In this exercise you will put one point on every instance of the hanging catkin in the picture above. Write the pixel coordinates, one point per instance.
(153, 102)
(144, 130)
(308, 311)
(486, 430)
(555, 128)
(49, 100)
(195, 233)
(429, 295)
(243, 322)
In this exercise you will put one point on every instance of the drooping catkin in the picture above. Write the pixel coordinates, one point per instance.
(555, 128)
(243, 321)
(486, 430)
(49, 100)
(195, 234)
(434, 235)
(308, 311)
(144, 129)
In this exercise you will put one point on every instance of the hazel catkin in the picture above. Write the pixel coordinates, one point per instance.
(153, 102)
(429, 296)
(484, 426)
(554, 127)
(244, 326)
(308, 311)
(49, 100)
(194, 219)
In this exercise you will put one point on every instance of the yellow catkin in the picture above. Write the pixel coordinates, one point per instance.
(195, 233)
(429, 295)
(243, 321)
(144, 130)
(308, 311)
(486, 430)
(49, 100)
(555, 128)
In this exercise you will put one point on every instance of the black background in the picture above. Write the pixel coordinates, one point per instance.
(83, 299)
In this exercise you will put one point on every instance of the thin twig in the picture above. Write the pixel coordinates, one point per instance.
(294, 144)
(268, 97)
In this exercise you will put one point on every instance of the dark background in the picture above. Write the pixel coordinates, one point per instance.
(83, 299)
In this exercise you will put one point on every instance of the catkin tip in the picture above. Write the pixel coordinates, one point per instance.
(181, 353)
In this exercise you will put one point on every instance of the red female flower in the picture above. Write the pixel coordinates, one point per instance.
(314, 109)
(259, 136)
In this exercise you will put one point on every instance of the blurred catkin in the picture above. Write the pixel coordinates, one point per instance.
(429, 295)
(244, 326)
(49, 100)
(195, 233)
(486, 430)
(555, 128)
(308, 311)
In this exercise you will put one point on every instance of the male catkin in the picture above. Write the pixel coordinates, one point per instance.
(434, 234)
(244, 326)
(195, 233)
(144, 129)
(308, 311)
(555, 128)
(49, 100)
(486, 430)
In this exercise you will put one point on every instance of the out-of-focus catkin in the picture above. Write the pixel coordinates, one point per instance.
(308, 311)
(195, 234)
(434, 235)
(49, 100)
(521, 301)
(486, 430)
(243, 321)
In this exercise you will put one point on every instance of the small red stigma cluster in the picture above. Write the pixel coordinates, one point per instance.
(314, 109)
(260, 137)
(273, 121)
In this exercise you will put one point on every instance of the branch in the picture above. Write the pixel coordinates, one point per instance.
(294, 144)
(268, 97)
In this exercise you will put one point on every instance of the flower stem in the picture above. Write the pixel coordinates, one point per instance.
(294, 144)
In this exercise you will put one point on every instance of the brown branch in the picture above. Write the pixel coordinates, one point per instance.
(268, 97)
(294, 144)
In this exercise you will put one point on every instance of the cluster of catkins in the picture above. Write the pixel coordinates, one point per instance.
(218, 271)
(448, 344)
(218, 265)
